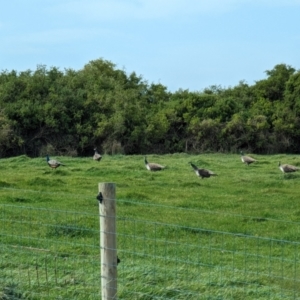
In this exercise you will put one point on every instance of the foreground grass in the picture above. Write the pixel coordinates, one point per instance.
(233, 236)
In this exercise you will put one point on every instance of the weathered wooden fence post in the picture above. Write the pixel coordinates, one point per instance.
(108, 240)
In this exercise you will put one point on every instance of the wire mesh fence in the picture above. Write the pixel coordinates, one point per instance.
(55, 254)
(176, 262)
(49, 254)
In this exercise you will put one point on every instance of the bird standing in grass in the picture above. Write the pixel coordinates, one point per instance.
(153, 166)
(52, 163)
(97, 156)
(287, 168)
(203, 173)
(247, 159)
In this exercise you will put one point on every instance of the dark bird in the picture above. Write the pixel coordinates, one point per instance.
(153, 166)
(53, 163)
(247, 159)
(287, 168)
(202, 172)
(97, 156)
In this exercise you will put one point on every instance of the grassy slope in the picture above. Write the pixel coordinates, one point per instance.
(255, 201)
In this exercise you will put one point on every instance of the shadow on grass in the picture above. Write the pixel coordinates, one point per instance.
(11, 292)
(70, 230)
(4, 184)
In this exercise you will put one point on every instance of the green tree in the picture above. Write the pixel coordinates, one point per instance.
(273, 87)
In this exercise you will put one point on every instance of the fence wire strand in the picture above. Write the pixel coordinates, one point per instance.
(54, 254)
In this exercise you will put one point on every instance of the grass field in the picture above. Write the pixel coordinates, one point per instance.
(232, 236)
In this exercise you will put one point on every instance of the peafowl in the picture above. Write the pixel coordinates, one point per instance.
(287, 168)
(97, 156)
(203, 173)
(247, 159)
(153, 166)
(52, 163)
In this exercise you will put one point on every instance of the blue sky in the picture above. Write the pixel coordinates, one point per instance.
(182, 44)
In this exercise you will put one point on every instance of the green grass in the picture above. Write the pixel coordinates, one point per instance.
(233, 236)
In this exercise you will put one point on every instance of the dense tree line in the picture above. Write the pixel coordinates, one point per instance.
(70, 112)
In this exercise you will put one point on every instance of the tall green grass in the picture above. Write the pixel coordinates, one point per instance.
(232, 236)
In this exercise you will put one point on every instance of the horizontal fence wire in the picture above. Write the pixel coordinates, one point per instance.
(185, 263)
(45, 253)
(50, 253)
